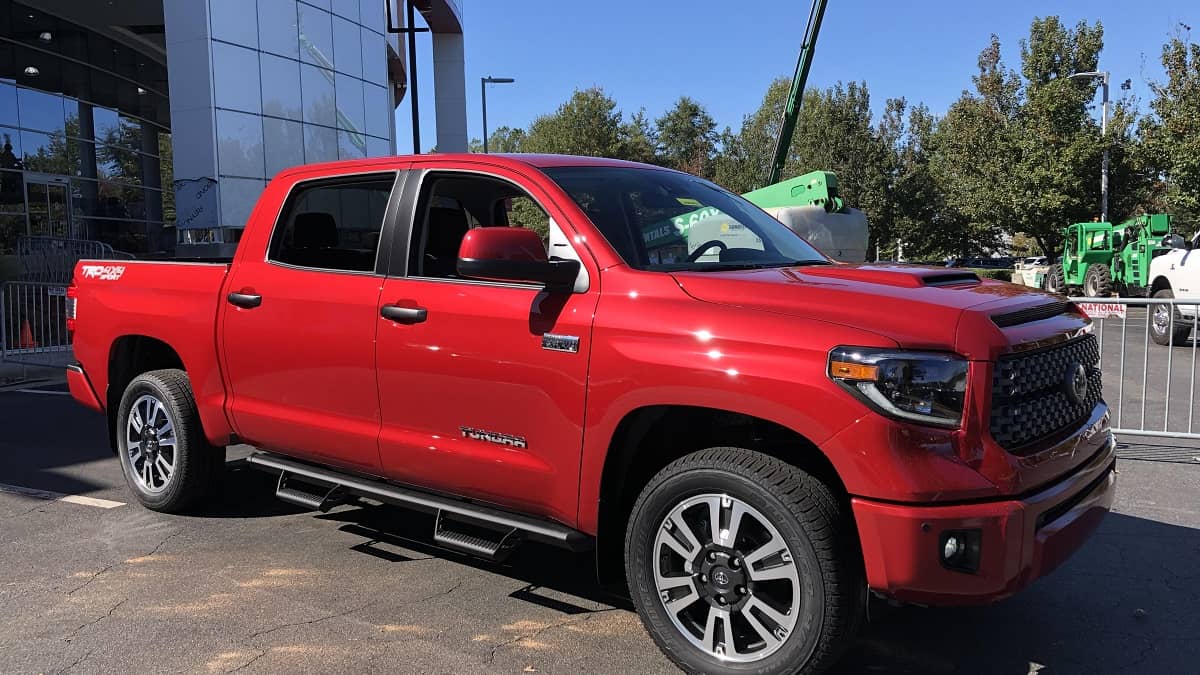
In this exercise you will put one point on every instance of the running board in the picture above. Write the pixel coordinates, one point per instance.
(466, 526)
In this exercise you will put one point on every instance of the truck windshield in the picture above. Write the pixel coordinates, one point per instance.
(668, 221)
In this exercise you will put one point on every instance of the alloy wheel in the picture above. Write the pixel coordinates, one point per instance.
(150, 444)
(726, 578)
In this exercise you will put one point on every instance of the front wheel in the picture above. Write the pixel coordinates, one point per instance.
(1056, 281)
(738, 563)
(1167, 325)
(166, 459)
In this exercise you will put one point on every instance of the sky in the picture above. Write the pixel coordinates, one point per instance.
(648, 53)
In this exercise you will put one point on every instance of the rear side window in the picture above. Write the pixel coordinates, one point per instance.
(333, 225)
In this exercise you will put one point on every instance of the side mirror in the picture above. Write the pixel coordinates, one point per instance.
(1174, 241)
(513, 254)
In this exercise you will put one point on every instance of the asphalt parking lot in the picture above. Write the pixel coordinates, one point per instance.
(254, 585)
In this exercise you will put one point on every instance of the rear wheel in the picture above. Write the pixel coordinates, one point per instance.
(1056, 282)
(1097, 283)
(168, 463)
(740, 563)
(1167, 325)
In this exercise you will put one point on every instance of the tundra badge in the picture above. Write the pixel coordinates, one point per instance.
(560, 343)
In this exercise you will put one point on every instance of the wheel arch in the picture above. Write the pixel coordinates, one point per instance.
(128, 357)
(1160, 282)
(650, 437)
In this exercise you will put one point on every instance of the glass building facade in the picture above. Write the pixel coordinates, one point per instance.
(294, 82)
(153, 125)
(85, 142)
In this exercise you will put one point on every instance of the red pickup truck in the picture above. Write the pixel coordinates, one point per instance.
(600, 354)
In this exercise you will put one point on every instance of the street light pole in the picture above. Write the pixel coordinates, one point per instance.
(483, 83)
(1103, 75)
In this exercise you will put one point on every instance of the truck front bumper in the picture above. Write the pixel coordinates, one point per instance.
(1018, 540)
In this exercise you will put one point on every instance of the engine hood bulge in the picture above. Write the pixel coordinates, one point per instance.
(917, 307)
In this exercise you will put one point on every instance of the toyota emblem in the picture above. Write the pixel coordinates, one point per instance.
(1076, 383)
(721, 578)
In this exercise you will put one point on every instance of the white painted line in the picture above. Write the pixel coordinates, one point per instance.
(41, 391)
(60, 497)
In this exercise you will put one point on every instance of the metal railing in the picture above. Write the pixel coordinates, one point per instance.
(1150, 387)
(53, 259)
(33, 324)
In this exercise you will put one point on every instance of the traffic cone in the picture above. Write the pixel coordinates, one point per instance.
(27, 341)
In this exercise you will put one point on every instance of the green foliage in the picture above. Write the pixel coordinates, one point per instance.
(687, 138)
(1172, 134)
(587, 124)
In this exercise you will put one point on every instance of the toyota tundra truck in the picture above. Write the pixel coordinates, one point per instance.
(606, 356)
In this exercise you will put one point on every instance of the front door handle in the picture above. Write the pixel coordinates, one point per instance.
(403, 314)
(245, 300)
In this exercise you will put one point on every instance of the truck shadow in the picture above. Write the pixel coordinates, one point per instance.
(1123, 604)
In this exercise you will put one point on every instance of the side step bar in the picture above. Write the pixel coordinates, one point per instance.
(466, 526)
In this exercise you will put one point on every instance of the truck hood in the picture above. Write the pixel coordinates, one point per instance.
(917, 307)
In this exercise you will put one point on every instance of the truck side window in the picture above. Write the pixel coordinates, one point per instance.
(332, 226)
(451, 205)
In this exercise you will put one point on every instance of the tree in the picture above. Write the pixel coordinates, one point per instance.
(687, 138)
(1172, 134)
(503, 139)
(638, 139)
(587, 124)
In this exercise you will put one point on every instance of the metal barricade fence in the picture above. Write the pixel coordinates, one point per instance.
(1148, 355)
(53, 259)
(33, 324)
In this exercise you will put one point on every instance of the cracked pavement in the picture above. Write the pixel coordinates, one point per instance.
(253, 585)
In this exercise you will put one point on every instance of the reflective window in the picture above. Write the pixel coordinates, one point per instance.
(378, 111)
(277, 27)
(231, 22)
(351, 145)
(346, 8)
(280, 87)
(374, 57)
(10, 149)
(237, 199)
(378, 147)
(106, 123)
(8, 104)
(320, 144)
(118, 164)
(316, 36)
(350, 103)
(130, 135)
(347, 50)
(316, 88)
(371, 15)
(45, 153)
(333, 226)
(239, 144)
(283, 144)
(39, 110)
(235, 78)
(323, 4)
(12, 194)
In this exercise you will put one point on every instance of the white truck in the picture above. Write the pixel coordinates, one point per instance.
(1176, 274)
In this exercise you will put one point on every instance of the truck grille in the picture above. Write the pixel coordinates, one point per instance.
(1030, 396)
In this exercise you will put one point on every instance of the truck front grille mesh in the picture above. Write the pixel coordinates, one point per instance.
(1031, 393)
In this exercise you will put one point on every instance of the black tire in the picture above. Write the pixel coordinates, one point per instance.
(1056, 281)
(818, 532)
(1097, 282)
(196, 466)
(1174, 331)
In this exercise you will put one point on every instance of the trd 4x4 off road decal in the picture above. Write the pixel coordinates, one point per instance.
(102, 272)
(493, 437)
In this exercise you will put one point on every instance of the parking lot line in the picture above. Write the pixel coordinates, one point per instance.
(60, 497)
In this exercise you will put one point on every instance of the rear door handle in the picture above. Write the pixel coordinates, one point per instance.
(245, 300)
(403, 314)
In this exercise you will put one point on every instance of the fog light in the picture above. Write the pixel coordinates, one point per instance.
(951, 548)
(959, 550)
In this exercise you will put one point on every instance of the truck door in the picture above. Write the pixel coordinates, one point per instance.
(482, 384)
(299, 327)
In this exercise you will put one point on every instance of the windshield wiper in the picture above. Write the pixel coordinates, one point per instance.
(728, 267)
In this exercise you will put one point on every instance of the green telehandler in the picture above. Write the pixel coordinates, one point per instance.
(1101, 258)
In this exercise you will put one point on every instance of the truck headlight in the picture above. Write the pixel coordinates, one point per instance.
(921, 387)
